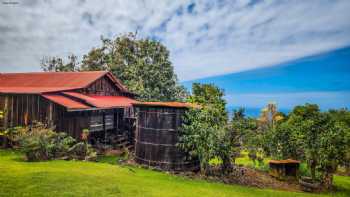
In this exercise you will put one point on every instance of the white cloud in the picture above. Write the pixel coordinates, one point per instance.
(217, 37)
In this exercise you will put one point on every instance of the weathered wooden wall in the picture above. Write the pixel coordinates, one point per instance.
(2, 109)
(102, 87)
(23, 110)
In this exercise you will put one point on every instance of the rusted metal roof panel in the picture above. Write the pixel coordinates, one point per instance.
(65, 101)
(29, 90)
(103, 101)
(167, 104)
(41, 82)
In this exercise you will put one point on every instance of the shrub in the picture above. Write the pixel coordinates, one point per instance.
(11, 136)
(41, 143)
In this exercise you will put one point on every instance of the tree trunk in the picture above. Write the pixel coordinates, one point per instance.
(327, 180)
(313, 171)
(205, 169)
(226, 166)
(347, 168)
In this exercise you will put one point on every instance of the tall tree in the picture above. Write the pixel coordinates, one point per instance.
(342, 117)
(143, 65)
(57, 64)
(324, 140)
(205, 133)
(210, 95)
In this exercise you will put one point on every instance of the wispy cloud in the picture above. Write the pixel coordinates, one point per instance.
(205, 37)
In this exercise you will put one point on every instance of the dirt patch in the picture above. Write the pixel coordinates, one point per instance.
(248, 177)
(255, 178)
(240, 176)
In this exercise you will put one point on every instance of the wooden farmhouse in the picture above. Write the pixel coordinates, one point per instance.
(69, 101)
(74, 101)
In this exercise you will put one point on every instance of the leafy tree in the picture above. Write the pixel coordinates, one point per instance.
(324, 140)
(283, 142)
(342, 116)
(95, 60)
(143, 65)
(334, 144)
(211, 96)
(198, 135)
(205, 133)
(309, 123)
(257, 133)
(246, 129)
(57, 64)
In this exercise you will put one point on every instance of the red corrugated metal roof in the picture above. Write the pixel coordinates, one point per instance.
(74, 100)
(103, 101)
(29, 90)
(112, 101)
(167, 104)
(40, 82)
(65, 101)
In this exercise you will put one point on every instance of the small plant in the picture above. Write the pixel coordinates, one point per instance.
(1, 114)
(85, 135)
(12, 136)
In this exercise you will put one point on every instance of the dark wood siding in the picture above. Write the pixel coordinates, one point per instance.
(24, 109)
(102, 87)
(3, 111)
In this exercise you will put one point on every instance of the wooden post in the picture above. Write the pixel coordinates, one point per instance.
(11, 119)
(50, 115)
(104, 126)
(6, 112)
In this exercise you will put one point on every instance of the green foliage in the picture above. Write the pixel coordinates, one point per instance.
(205, 133)
(319, 138)
(57, 64)
(209, 95)
(12, 136)
(41, 143)
(250, 137)
(143, 65)
(282, 142)
(198, 135)
(342, 116)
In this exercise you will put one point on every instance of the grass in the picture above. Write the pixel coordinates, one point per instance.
(77, 178)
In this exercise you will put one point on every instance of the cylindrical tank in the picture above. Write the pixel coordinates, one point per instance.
(156, 136)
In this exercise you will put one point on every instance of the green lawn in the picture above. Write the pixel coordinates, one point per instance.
(76, 178)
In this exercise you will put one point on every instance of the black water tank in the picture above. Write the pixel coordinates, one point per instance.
(156, 136)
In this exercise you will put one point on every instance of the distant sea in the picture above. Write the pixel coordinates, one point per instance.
(251, 112)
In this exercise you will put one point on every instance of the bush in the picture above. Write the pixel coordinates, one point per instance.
(41, 143)
(44, 144)
(11, 136)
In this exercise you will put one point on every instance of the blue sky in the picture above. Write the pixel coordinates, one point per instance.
(323, 79)
(205, 38)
